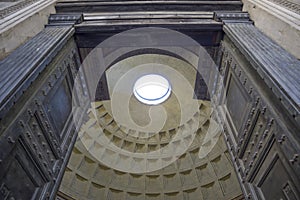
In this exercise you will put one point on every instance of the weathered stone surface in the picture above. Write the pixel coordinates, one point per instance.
(278, 68)
(37, 133)
(263, 139)
(19, 26)
(23, 66)
(121, 6)
(286, 31)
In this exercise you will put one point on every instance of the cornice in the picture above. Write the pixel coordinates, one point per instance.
(22, 12)
(281, 10)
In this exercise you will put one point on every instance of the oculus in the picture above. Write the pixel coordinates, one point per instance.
(152, 89)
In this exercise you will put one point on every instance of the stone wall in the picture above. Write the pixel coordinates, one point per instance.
(20, 26)
(261, 116)
(36, 129)
(278, 20)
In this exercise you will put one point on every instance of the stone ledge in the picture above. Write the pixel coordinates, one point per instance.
(22, 66)
(277, 22)
(15, 18)
(19, 26)
(278, 68)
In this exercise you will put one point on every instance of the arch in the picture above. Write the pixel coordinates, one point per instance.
(141, 41)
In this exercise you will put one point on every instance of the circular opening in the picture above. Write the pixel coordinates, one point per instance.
(152, 89)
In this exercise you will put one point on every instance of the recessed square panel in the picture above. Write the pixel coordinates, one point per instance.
(59, 106)
(274, 178)
(237, 103)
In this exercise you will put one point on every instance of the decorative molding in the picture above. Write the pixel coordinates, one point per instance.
(15, 7)
(263, 126)
(277, 67)
(284, 13)
(288, 4)
(27, 61)
(289, 191)
(65, 19)
(142, 6)
(232, 17)
(23, 12)
(32, 126)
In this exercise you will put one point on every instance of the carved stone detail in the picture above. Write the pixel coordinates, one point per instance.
(34, 132)
(261, 126)
(287, 4)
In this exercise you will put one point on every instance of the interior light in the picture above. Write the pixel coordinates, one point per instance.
(152, 89)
